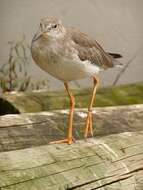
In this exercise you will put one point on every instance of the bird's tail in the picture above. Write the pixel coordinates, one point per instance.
(115, 55)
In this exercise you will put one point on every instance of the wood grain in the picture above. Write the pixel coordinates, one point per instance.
(33, 129)
(112, 160)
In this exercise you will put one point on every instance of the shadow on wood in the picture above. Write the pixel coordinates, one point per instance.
(7, 108)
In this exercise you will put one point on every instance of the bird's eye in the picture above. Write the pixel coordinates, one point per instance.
(55, 26)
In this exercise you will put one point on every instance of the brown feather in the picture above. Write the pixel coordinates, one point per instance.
(89, 49)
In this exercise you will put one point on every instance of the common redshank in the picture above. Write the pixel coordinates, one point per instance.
(69, 54)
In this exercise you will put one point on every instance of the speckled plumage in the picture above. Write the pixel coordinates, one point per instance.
(89, 49)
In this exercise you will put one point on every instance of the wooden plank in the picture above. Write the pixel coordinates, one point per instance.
(106, 163)
(33, 129)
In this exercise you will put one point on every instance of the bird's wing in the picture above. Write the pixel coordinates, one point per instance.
(89, 49)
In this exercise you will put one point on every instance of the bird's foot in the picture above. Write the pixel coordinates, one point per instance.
(68, 141)
(89, 123)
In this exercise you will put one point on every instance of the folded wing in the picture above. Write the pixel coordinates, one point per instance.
(89, 49)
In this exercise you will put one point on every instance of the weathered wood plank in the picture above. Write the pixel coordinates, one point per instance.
(105, 163)
(113, 160)
(34, 129)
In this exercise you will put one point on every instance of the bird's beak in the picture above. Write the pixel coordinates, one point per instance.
(45, 34)
(39, 34)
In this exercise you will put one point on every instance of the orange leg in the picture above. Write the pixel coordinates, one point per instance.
(69, 138)
(89, 119)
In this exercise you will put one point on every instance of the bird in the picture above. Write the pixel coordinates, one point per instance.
(69, 54)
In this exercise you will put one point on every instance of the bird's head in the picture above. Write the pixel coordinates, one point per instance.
(50, 27)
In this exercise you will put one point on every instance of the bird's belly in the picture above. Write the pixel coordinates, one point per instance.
(66, 68)
(63, 70)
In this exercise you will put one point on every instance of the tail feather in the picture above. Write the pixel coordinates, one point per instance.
(115, 55)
